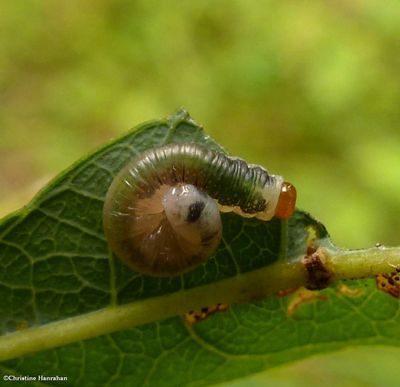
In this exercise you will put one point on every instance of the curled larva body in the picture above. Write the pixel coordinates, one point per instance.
(161, 213)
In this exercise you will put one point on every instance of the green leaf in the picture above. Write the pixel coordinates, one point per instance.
(69, 308)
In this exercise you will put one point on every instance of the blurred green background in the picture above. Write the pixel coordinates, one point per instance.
(309, 89)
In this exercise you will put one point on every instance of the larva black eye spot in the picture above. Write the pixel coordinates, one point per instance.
(194, 211)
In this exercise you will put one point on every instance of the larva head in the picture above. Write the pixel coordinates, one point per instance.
(286, 201)
(164, 234)
(195, 219)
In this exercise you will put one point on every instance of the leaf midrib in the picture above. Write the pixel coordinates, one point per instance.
(241, 288)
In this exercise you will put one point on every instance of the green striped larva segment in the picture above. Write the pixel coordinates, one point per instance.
(249, 190)
(161, 214)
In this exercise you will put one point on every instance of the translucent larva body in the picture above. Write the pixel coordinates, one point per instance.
(161, 213)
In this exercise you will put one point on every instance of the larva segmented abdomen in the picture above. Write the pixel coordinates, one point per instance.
(228, 180)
